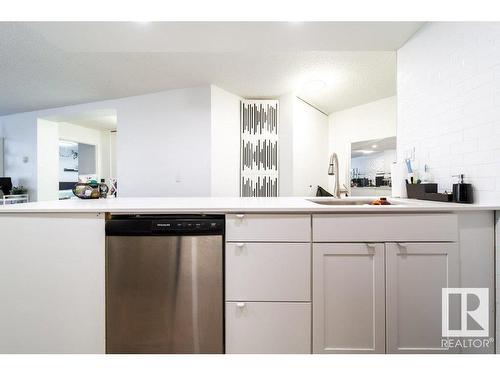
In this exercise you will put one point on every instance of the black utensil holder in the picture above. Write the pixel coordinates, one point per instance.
(427, 192)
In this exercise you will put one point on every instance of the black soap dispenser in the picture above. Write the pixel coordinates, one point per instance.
(462, 193)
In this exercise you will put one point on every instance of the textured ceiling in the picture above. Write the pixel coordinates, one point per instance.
(97, 119)
(50, 64)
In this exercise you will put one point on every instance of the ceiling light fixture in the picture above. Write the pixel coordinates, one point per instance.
(374, 146)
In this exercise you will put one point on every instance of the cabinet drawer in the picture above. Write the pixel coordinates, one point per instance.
(268, 327)
(268, 228)
(268, 271)
(385, 227)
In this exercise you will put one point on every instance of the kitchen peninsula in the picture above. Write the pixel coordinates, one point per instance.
(301, 275)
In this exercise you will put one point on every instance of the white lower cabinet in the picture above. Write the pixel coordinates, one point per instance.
(348, 298)
(377, 298)
(415, 276)
(371, 292)
(268, 327)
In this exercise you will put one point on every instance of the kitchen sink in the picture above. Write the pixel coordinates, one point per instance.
(342, 202)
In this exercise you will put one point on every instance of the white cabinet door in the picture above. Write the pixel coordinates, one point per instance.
(268, 327)
(268, 272)
(415, 276)
(348, 298)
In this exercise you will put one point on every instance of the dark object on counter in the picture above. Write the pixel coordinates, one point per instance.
(320, 192)
(103, 189)
(88, 190)
(67, 185)
(417, 191)
(19, 190)
(427, 192)
(360, 182)
(380, 202)
(462, 193)
(438, 197)
(5, 185)
(384, 202)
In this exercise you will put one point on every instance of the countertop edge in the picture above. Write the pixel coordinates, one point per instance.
(232, 205)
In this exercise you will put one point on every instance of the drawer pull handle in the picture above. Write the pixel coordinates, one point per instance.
(240, 216)
(403, 245)
(240, 245)
(241, 305)
(371, 245)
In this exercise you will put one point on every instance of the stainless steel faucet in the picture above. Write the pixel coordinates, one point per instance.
(333, 170)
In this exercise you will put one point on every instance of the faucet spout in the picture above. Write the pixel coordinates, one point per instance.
(333, 170)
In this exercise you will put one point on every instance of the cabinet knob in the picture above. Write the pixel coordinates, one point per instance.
(240, 216)
(240, 305)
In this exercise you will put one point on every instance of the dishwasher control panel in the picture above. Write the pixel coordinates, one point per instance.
(144, 225)
(187, 225)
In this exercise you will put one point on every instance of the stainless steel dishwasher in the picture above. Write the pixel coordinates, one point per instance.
(164, 284)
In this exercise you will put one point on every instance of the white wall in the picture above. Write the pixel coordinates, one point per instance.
(163, 143)
(47, 160)
(373, 120)
(112, 154)
(107, 157)
(19, 132)
(225, 147)
(449, 103)
(186, 142)
(303, 148)
(310, 149)
(285, 131)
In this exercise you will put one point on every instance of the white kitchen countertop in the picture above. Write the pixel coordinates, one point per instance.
(231, 205)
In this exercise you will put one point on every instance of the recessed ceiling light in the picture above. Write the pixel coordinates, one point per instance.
(367, 151)
(374, 146)
(313, 86)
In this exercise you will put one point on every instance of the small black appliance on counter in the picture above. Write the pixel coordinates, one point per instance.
(6, 185)
(462, 193)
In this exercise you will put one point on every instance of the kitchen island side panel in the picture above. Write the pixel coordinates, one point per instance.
(52, 293)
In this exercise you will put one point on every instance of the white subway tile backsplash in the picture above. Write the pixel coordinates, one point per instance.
(449, 103)
(449, 108)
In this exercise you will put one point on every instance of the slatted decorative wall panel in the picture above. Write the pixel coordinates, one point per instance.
(259, 148)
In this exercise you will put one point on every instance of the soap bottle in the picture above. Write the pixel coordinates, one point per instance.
(462, 193)
(103, 189)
